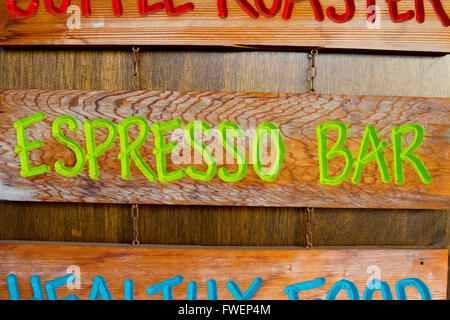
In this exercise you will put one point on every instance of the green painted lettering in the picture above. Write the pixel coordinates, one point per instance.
(202, 148)
(161, 149)
(229, 146)
(277, 141)
(94, 151)
(127, 150)
(407, 153)
(336, 150)
(24, 147)
(370, 137)
(80, 155)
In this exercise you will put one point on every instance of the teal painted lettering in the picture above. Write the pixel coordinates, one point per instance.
(249, 293)
(13, 288)
(128, 288)
(36, 286)
(382, 286)
(50, 287)
(100, 289)
(412, 282)
(293, 289)
(346, 285)
(192, 290)
(212, 289)
(166, 287)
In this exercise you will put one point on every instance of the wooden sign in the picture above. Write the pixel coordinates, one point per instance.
(82, 272)
(212, 148)
(409, 25)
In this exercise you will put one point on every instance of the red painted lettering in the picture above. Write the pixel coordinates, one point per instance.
(261, 6)
(315, 4)
(145, 9)
(438, 9)
(247, 7)
(16, 12)
(52, 9)
(395, 16)
(346, 16)
(86, 8)
(117, 7)
(171, 10)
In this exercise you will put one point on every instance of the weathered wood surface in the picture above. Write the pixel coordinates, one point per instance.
(278, 268)
(297, 115)
(203, 27)
(221, 226)
(242, 71)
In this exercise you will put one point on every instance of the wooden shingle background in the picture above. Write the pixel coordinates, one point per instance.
(192, 69)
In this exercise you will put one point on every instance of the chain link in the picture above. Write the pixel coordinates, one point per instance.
(311, 74)
(312, 71)
(135, 217)
(309, 218)
(134, 207)
(135, 68)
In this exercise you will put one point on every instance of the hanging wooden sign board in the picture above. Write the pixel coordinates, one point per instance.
(416, 25)
(82, 272)
(212, 148)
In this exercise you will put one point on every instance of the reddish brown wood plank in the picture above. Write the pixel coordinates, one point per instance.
(296, 115)
(203, 27)
(277, 268)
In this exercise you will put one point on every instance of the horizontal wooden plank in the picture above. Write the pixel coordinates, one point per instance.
(296, 116)
(278, 269)
(409, 75)
(202, 26)
(221, 226)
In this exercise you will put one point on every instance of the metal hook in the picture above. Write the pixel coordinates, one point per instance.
(135, 217)
(309, 217)
(312, 71)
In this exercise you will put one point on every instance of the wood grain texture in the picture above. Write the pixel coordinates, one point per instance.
(448, 246)
(232, 71)
(221, 226)
(62, 69)
(278, 268)
(346, 227)
(296, 115)
(203, 27)
(28, 68)
(387, 75)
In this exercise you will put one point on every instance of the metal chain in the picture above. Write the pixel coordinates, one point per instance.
(135, 217)
(135, 67)
(311, 74)
(134, 207)
(312, 71)
(309, 218)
